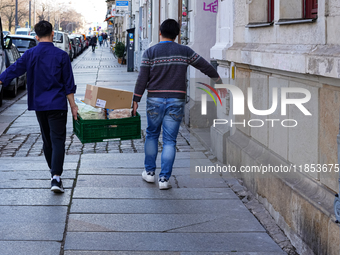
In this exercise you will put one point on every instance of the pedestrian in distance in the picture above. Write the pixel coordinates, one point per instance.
(105, 40)
(50, 84)
(163, 73)
(100, 39)
(93, 42)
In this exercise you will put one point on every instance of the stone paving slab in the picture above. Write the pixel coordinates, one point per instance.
(166, 253)
(154, 206)
(15, 109)
(140, 156)
(34, 175)
(128, 171)
(136, 160)
(31, 165)
(114, 181)
(190, 223)
(3, 127)
(33, 214)
(218, 242)
(32, 231)
(32, 184)
(214, 181)
(33, 197)
(147, 193)
(29, 248)
(7, 119)
(35, 160)
(22, 130)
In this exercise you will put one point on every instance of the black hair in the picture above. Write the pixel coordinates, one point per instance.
(43, 28)
(170, 29)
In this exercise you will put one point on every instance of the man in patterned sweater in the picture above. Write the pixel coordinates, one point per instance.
(163, 74)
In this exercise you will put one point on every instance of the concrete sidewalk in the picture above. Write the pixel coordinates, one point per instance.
(107, 207)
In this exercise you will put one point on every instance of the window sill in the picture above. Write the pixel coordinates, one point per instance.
(263, 24)
(294, 21)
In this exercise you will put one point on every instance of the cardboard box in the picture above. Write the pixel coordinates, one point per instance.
(108, 98)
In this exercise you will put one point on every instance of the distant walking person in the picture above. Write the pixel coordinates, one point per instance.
(100, 39)
(163, 73)
(105, 40)
(93, 42)
(50, 84)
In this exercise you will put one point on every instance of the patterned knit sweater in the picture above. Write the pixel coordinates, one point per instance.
(163, 70)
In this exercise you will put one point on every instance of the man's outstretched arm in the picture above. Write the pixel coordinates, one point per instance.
(15, 70)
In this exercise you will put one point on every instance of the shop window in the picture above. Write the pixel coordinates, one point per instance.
(260, 13)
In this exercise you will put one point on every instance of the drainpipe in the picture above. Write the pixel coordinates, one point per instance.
(337, 200)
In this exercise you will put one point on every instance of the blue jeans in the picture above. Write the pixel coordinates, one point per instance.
(166, 113)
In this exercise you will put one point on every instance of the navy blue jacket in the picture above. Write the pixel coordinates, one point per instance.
(49, 77)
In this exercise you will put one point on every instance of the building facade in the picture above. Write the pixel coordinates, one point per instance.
(267, 45)
(266, 48)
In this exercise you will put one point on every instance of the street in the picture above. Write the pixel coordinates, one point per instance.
(107, 208)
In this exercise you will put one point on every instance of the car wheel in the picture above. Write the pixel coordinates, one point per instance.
(23, 85)
(14, 91)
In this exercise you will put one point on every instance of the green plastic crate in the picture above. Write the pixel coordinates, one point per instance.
(91, 131)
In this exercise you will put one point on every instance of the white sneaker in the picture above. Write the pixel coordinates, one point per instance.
(148, 176)
(164, 183)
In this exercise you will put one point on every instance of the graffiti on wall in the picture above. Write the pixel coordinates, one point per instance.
(212, 7)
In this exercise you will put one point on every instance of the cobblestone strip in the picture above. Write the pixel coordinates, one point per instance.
(31, 145)
(12, 146)
(26, 146)
(36, 147)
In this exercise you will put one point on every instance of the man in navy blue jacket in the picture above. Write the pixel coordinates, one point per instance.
(50, 83)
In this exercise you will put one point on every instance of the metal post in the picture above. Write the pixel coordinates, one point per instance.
(16, 14)
(34, 13)
(29, 19)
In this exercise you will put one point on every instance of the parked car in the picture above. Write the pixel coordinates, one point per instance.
(11, 56)
(33, 33)
(62, 41)
(23, 31)
(82, 41)
(86, 41)
(23, 42)
(75, 46)
(80, 44)
(1, 95)
(2, 60)
(5, 33)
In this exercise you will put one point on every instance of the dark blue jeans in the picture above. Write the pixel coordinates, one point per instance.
(166, 113)
(53, 132)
